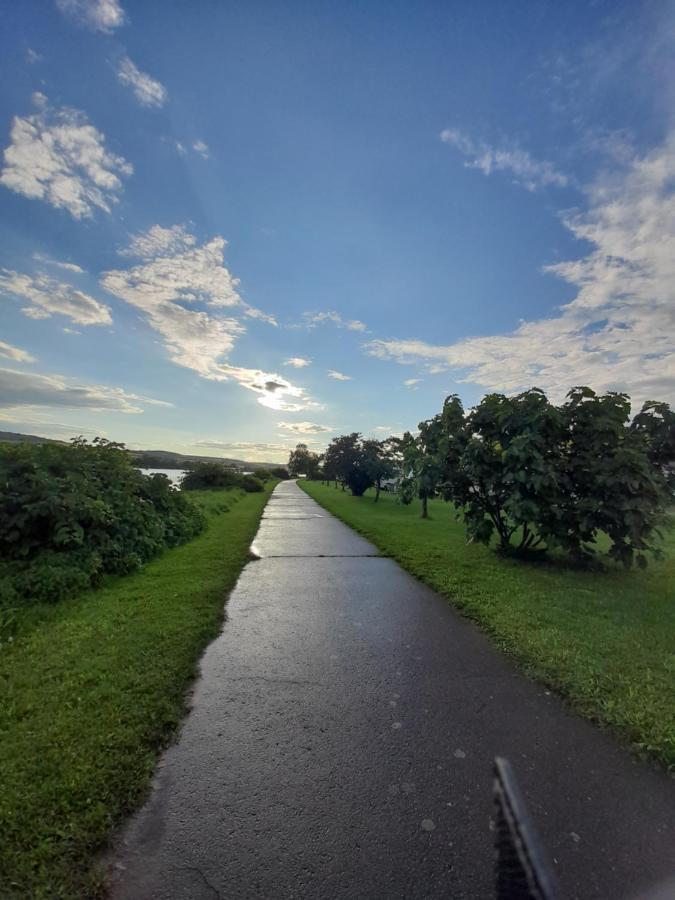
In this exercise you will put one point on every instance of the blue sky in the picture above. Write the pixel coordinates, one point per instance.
(228, 227)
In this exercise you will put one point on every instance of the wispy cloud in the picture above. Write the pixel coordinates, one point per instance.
(201, 148)
(58, 157)
(527, 171)
(97, 15)
(32, 390)
(146, 89)
(45, 297)
(304, 427)
(8, 351)
(312, 319)
(338, 376)
(33, 57)
(68, 266)
(411, 382)
(619, 331)
(297, 362)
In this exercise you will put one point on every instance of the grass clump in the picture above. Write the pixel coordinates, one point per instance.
(603, 637)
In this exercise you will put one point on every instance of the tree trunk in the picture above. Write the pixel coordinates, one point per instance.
(377, 491)
(425, 514)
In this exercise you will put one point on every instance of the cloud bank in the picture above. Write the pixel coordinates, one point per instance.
(618, 333)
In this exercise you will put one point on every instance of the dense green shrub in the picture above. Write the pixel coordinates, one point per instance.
(209, 475)
(280, 473)
(251, 484)
(70, 513)
(540, 475)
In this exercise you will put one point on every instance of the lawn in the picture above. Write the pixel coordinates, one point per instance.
(603, 639)
(92, 688)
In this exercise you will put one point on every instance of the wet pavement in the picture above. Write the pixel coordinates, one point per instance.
(340, 743)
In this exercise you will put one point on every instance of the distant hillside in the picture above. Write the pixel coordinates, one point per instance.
(167, 459)
(13, 437)
(147, 459)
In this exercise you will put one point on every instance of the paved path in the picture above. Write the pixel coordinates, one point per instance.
(345, 708)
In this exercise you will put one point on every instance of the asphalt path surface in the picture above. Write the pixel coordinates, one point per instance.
(340, 744)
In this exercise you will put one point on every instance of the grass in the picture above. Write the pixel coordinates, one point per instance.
(603, 639)
(92, 688)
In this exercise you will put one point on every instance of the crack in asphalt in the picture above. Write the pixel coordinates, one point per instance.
(204, 879)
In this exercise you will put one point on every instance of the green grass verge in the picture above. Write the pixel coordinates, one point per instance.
(92, 688)
(604, 639)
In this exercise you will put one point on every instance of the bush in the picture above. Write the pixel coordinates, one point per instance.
(280, 473)
(71, 513)
(251, 484)
(215, 475)
(209, 475)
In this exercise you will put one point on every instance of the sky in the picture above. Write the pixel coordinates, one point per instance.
(229, 227)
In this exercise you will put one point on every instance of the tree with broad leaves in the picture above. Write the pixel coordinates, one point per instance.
(377, 462)
(559, 476)
(302, 461)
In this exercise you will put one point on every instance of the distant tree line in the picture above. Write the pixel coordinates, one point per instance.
(528, 473)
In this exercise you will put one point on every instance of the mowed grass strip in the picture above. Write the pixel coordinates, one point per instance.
(604, 639)
(92, 689)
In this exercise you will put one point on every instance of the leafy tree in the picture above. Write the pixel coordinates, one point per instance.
(280, 472)
(421, 456)
(612, 475)
(345, 461)
(507, 474)
(526, 470)
(302, 461)
(378, 462)
(656, 422)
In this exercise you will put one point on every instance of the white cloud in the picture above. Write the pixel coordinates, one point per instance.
(8, 351)
(298, 362)
(386, 428)
(46, 297)
(530, 173)
(28, 390)
(338, 376)
(147, 90)
(304, 427)
(97, 15)
(333, 318)
(33, 57)
(202, 149)
(411, 382)
(158, 241)
(176, 277)
(619, 331)
(69, 267)
(58, 157)
(273, 389)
